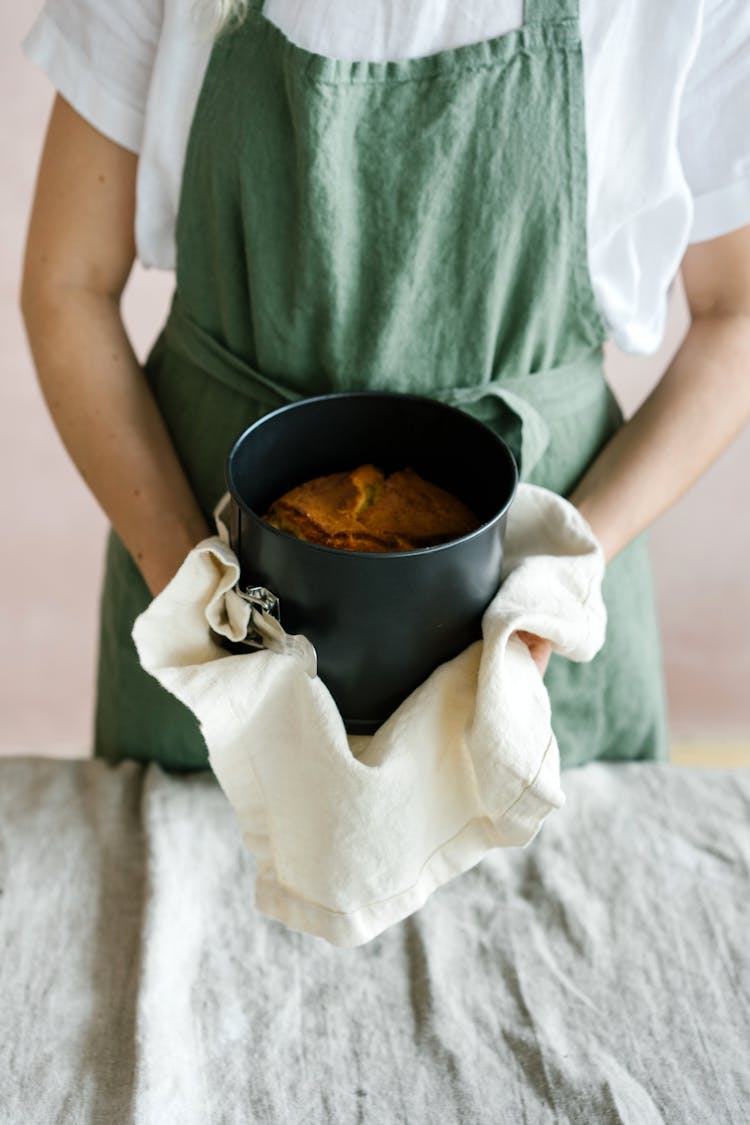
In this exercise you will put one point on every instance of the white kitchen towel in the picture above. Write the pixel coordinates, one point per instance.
(351, 834)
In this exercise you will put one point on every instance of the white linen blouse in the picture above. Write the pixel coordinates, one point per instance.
(667, 88)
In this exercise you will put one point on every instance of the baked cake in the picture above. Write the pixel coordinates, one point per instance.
(364, 510)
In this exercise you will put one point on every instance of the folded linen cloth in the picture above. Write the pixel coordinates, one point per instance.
(351, 834)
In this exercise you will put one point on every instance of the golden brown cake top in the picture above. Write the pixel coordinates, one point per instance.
(363, 510)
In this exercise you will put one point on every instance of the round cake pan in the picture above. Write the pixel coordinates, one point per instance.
(380, 622)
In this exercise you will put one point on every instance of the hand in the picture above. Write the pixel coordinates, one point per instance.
(539, 647)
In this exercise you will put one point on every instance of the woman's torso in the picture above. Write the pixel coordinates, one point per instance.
(665, 84)
(283, 144)
(636, 67)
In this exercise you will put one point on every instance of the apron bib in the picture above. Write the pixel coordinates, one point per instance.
(416, 225)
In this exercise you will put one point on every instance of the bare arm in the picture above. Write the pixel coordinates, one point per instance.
(700, 404)
(79, 254)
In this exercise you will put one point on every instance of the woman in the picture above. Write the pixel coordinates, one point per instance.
(459, 200)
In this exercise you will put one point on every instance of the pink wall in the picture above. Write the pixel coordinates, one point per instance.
(50, 565)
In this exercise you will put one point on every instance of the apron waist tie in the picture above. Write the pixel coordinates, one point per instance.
(535, 399)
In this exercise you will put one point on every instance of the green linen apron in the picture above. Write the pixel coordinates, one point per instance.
(415, 225)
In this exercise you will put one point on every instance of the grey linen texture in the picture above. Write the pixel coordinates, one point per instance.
(599, 975)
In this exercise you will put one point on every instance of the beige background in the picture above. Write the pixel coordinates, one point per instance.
(50, 565)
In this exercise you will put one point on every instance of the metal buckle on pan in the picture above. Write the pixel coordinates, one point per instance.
(258, 597)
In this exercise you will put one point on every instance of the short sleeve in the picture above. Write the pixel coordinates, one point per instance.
(714, 132)
(99, 54)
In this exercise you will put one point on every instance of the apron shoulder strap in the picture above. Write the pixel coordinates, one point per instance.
(550, 11)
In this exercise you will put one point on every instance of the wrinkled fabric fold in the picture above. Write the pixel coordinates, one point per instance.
(353, 833)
